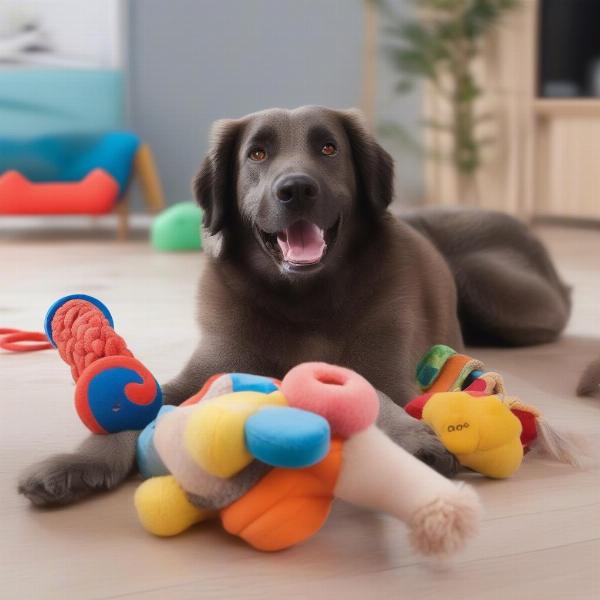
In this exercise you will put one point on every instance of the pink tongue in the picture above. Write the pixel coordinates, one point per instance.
(302, 243)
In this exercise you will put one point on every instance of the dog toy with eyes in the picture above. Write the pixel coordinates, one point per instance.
(486, 430)
(290, 449)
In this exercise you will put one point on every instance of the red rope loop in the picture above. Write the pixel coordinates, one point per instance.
(15, 340)
(83, 334)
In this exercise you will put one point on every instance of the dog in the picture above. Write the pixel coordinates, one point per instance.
(305, 262)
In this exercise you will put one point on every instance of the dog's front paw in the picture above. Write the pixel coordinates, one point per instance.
(64, 479)
(415, 437)
(434, 454)
(420, 440)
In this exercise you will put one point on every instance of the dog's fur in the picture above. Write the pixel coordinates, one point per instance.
(386, 290)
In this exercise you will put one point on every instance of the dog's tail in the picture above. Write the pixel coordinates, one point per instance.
(590, 379)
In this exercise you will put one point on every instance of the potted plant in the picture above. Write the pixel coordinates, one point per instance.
(440, 46)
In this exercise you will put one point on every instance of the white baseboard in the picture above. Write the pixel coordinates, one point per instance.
(84, 224)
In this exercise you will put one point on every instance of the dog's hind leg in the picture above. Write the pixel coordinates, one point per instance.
(100, 463)
(504, 301)
(509, 292)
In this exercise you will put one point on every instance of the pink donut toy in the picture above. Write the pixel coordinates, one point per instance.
(347, 400)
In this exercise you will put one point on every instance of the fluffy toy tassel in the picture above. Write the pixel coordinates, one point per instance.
(564, 447)
(378, 474)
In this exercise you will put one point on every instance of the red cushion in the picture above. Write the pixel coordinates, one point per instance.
(95, 194)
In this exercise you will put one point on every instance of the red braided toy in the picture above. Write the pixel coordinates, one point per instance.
(114, 391)
(83, 334)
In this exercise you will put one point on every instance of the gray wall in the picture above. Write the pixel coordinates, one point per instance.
(404, 110)
(194, 61)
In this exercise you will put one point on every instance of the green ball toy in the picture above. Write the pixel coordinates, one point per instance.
(177, 228)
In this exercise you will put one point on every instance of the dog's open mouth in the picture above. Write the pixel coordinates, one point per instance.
(301, 245)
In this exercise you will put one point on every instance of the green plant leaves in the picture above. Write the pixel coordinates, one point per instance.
(441, 46)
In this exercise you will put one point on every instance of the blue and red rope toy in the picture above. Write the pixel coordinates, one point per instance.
(114, 390)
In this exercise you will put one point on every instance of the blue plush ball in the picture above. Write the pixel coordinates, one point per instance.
(287, 437)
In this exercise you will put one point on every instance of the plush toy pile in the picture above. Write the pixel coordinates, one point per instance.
(268, 457)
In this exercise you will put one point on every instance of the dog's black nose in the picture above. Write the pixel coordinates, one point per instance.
(296, 190)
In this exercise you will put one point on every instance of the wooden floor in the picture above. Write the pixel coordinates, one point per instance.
(541, 533)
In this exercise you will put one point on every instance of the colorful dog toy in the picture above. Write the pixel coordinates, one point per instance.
(269, 460)
(467, 408)
(114, 391)
(481, 431)
(177, 229)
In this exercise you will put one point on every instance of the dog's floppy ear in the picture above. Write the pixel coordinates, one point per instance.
(373, 165)
(214, 185)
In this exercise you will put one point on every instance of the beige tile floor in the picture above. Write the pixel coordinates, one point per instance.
(541, 533)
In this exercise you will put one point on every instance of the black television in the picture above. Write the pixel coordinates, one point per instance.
(569, 48)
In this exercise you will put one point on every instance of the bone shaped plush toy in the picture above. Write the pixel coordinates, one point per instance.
(269, 458)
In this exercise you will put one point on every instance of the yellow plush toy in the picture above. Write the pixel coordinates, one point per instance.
(486, 430)
(481, 432)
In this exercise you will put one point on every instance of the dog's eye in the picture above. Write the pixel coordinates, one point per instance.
(329, 150)
(257, 154)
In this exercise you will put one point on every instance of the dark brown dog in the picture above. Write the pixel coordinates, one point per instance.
(306, 263)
